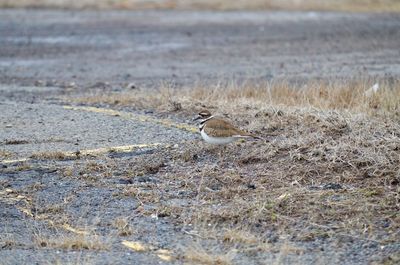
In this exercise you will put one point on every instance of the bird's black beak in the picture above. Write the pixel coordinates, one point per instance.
(197, 118)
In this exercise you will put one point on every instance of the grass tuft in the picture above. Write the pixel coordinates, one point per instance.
(56, 155)
(72, 242)
(123, 227)
(198, 255)
(239, 235)
(5, 154)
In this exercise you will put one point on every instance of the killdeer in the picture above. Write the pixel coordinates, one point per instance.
(218, 131)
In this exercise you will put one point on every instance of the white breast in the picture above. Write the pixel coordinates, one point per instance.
(217, 140)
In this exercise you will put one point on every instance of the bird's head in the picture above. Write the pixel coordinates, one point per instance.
(203, 115)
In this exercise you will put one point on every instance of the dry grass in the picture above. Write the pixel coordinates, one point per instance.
(73, 242)
(329, 166)
(123, 227)
(339, 5)
(56, 155)
(20, 167)
(240, 235)
(5, 154)
(230, 97)
(89, 170)
(321, 173)
(198, 255)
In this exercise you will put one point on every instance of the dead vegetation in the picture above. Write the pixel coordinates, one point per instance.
(355, 96)
(198, 255)
(72, 242)
(321, 173)
(5, 154)
(318, 174)
(329, 162)
(339, 5)
(23, 166)
(123, 227)
(56, 155)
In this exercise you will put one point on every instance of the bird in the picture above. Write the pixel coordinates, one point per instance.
(217, 131)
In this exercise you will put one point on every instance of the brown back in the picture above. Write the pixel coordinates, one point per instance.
(220, 128)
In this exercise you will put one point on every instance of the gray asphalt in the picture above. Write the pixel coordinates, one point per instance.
(148, 46)
(45, 127)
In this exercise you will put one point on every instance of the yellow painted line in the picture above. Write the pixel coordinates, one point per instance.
(87, 152)
(135, 246)
(138, 117)
(163, 254)
(67, 227)
(74, 230)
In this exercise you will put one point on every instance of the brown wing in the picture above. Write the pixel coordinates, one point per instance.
(221, 128)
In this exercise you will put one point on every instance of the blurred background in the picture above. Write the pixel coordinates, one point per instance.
(327, 5)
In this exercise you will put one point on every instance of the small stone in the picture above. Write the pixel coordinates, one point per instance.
(251, 186)
(131, 86)
(143, 179)
(125, 181)
(71, 84)
(39, 83)
(154, 216)
(332, 186)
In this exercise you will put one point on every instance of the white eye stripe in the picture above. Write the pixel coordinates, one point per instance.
(203, 121)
